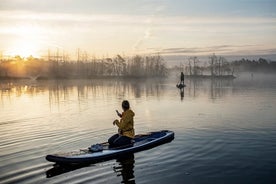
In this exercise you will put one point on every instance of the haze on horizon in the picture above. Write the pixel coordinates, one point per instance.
(175, 27)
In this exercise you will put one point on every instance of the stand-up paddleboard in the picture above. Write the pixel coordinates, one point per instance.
(141, 142)
(180, 86)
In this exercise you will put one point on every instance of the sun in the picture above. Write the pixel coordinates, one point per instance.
(25, 43)
(24, 48)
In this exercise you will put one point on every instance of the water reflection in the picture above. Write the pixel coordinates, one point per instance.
(213, 88)
(59, 91)
(62, 90)
(181, 92)
(62, 169)
(125, 168)
(232, 134)
(220, 87)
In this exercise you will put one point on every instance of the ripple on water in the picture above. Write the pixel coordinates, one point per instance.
(229, 138)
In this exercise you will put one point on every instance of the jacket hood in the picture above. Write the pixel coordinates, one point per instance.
(130, 112)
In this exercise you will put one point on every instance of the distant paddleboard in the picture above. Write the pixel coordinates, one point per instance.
(180, 86)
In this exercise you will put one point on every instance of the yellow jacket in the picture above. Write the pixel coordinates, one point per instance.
(126, 124)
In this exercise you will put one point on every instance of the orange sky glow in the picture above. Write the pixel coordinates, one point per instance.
(137, 27)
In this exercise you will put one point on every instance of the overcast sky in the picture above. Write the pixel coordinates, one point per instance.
(108, 27)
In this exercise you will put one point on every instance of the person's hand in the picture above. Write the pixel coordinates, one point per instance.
(119, 114)
(114, 122)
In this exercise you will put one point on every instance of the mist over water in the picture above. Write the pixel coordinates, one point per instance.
(225, 130)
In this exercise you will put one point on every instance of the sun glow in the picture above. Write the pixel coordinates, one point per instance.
(25, 42)
(23, 48)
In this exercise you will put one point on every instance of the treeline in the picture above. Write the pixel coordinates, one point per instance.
(260, 65)
(219, 66)
(137, 66)
(216, 66)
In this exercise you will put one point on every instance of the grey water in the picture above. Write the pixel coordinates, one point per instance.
(225, 130)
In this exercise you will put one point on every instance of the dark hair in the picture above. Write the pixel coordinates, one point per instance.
(125, 105)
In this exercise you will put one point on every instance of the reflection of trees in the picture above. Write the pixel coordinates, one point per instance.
(214, 88)
(125, 168)
(85, 89)
(64, 90)
(192, 86)
(219, 88)
(9, 88)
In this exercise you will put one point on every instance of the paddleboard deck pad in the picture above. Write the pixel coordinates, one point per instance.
(141, 142)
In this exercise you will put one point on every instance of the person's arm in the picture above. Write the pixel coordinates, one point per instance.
(119, 114)
(123, 122)
(115, 122)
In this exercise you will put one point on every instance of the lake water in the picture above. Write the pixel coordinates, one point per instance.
(225, 131)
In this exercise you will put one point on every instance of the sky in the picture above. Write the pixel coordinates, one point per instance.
(129, 27)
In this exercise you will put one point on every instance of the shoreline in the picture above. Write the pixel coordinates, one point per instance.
(43, 78)
(210, 77)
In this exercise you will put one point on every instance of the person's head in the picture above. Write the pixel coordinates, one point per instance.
(125, 105)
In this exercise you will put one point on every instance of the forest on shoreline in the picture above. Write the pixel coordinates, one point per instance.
(260, 65)
(218, 66)
(62, 68)
(57, 67)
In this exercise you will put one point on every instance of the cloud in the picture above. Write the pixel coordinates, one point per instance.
(219, 49)
(148, 33)
(148, 21)
(132, 32)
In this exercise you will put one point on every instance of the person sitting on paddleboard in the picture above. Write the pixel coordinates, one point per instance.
(125, 127)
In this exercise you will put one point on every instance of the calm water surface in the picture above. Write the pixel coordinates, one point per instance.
(225, 131)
